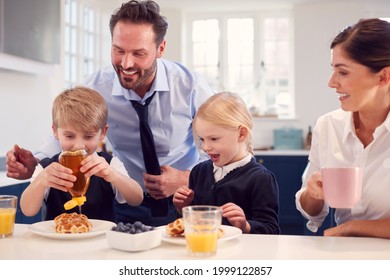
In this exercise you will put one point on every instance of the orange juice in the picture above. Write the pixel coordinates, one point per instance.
(7, 221)
(202, 242)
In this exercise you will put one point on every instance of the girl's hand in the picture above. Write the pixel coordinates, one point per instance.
(183, 197)
(236, 216)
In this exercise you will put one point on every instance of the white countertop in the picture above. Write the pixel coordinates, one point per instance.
(5, 181)
(25, 245)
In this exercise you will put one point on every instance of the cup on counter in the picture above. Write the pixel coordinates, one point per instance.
(342, 186)
(201, 225)
(8, 206)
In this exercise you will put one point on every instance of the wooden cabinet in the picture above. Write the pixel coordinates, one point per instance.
(18, 190)
(288, 170)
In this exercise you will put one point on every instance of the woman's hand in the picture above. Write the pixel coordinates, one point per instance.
(314, 186)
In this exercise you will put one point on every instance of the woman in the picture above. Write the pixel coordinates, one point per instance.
(358, 133)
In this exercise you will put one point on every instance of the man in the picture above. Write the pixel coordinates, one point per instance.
(137, 73)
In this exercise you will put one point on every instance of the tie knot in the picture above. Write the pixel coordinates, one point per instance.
(142, 109)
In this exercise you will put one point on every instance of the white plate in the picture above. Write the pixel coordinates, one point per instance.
(229, 233)
(46, 228)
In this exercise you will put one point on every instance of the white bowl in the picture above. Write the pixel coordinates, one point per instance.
(134, 242)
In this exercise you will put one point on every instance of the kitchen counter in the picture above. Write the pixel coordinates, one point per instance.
(25, 245)
(281, 152)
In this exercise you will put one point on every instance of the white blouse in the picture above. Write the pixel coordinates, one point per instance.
(335, 142)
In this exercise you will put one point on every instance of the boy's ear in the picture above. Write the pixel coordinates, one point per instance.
(55, 131)
(242, 133)
(104, 132)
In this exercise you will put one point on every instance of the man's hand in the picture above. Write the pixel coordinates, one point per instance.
(166, 184)
(21, 163)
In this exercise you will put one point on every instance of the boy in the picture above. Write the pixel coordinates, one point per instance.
(80, 122)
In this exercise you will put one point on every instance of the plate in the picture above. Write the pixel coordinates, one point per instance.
(46, 228)
(229, 233)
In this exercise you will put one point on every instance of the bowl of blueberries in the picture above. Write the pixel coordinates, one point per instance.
(133, 237)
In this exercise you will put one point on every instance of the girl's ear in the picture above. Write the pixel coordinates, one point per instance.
(242, 133)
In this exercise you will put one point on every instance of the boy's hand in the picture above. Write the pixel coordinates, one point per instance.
(183, 197)
(236, 216)
(56, 176)
(97, 165)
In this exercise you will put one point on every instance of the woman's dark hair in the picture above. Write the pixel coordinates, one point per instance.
(366, 42)
(141, 12)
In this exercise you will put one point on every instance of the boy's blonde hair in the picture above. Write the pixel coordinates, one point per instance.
(227, 110)
(80, 107)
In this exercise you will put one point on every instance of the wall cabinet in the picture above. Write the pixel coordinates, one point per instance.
(18, 190)
(288, 171)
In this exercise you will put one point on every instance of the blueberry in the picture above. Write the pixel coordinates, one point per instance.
(137, 224)
(137, 227)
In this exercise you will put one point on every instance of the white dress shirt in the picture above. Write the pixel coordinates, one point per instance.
(335, 142)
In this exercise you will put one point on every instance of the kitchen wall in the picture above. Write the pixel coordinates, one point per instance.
(25, 97)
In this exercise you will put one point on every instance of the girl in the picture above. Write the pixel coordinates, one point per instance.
(246, 191)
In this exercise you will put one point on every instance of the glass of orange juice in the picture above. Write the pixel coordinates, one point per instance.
(201, 224)
(8, 206)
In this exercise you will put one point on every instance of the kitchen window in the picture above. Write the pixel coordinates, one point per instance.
(81, 37)
(249, 55)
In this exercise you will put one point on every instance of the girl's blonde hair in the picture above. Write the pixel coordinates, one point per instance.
(80, 107)
(227, 110)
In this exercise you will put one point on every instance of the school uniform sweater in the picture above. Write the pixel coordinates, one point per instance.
(252, 187)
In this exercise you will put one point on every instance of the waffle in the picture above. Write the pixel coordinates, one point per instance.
(72, 223)
(176, 228)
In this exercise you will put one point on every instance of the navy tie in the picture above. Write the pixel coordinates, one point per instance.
(159, 207)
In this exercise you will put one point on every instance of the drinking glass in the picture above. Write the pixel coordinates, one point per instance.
(8, 206)
(201, 225)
